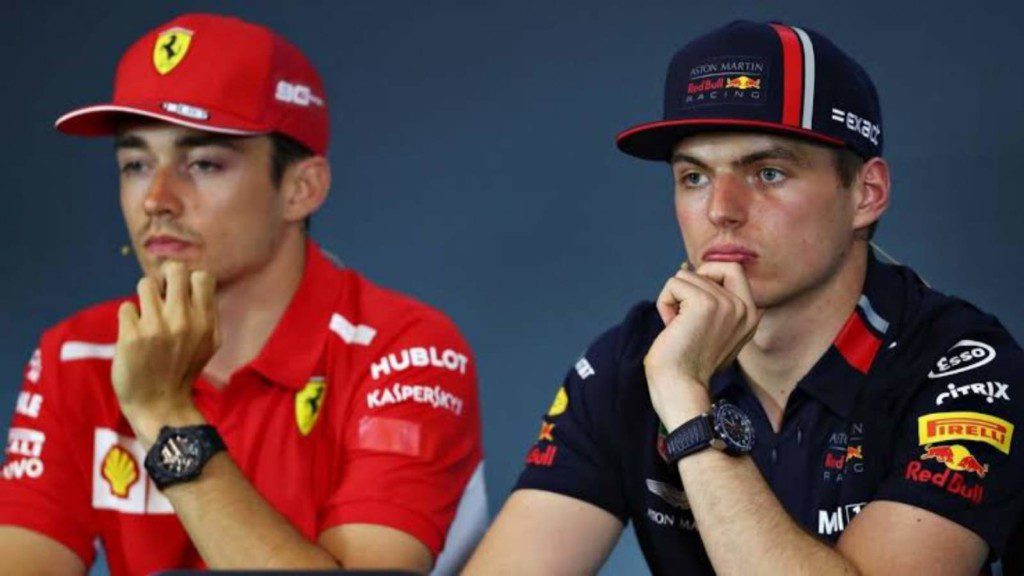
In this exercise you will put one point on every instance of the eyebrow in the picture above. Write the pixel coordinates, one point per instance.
(134, 141)
(773, 153)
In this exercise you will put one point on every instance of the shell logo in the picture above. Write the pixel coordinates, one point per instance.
(120, 471)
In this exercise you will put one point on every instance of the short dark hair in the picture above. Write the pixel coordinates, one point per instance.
(285, 152)
(848, 165)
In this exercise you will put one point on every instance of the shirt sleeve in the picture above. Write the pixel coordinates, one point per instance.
(574, 454)
(412, 439)
(43, 487)
(955, 453)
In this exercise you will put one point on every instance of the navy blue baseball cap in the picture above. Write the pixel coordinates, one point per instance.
(773, 78)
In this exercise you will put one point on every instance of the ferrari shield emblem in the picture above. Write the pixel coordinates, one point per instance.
(308, 403)
(170, 48)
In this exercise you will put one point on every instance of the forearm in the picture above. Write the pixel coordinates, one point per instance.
(744, 528)
(232, 526)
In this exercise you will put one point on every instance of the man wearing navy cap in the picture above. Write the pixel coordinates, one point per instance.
(789, 405)
(294, 416)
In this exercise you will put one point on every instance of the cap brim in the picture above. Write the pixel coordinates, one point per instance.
(104, 120)
(656, 140)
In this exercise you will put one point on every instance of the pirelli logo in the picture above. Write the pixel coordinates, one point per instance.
(946, 426)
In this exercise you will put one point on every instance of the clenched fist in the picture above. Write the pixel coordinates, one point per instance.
(709, 316)
(162, 349)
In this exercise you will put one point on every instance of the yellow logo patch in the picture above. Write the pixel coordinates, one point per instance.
(560, 404)
(946, 426)
(120, 471)
(308, 403)
(170, 49)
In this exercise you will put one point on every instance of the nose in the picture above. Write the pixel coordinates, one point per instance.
(161, 196)
(728, 204)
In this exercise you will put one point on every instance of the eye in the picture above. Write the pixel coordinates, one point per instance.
(130, 167)
(771, 175)
(205, 166)
(693, 179)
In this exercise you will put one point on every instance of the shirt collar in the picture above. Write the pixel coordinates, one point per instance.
(855, 355)
(838, 377)
(291, 354)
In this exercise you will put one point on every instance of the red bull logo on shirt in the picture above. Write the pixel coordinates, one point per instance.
(955, 457)
(545, 457)
(952, 481)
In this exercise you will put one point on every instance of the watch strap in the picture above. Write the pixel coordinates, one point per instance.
(693, 436)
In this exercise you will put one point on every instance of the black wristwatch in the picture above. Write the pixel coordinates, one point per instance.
(179, 454)
(724, 427)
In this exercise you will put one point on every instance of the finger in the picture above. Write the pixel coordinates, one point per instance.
(667, 304)
(202, 303)
(127, 321)
(678, 293)
(149, 303)
(729, 275)
(705, 284)
(742, 312)
(734, 279)
(176, 302)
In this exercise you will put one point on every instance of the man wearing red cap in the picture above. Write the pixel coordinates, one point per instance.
(256, 405)
(789, 404)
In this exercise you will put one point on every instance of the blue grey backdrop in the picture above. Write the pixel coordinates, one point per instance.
(474, 164)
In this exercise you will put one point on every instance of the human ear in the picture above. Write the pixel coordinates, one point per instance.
(304, 187)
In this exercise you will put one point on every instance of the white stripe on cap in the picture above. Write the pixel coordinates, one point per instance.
(805, 42)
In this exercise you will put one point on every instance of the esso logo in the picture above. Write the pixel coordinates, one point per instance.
(963, 356)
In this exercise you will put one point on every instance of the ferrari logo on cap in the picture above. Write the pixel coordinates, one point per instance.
(308, 403)
(170, 48)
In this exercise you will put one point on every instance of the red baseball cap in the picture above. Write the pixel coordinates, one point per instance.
(213, 73)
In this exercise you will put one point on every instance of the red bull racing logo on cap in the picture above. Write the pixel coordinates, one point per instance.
(955, 457)
(743, 83)
(729, 80)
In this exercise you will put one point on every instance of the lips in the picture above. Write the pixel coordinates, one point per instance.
(729, 253)
(167, 246)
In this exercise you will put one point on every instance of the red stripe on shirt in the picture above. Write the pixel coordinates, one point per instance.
(857, 344)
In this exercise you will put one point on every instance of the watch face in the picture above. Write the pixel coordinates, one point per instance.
(734, 427)
(180, 455)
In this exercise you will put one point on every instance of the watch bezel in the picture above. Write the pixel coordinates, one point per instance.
(201, 442)
(723, 434)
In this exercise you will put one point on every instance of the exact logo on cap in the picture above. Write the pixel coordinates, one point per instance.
(170, 48)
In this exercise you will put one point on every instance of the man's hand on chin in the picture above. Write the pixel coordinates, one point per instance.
(162, 348)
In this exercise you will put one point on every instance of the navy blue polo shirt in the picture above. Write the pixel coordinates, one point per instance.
(915, 401)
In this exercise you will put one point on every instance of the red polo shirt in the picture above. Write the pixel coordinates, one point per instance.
(361, 408)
